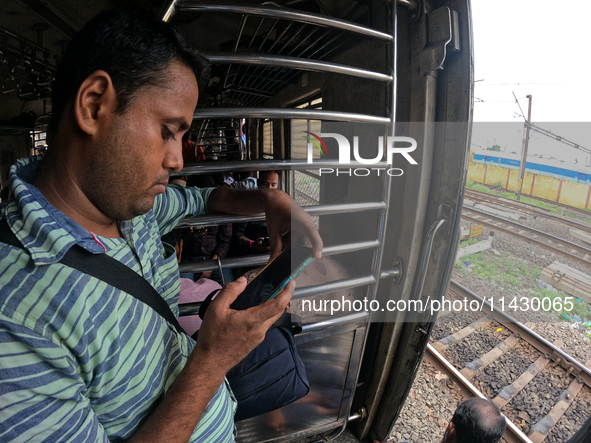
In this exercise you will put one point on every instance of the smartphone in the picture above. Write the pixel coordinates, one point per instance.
(274, 277)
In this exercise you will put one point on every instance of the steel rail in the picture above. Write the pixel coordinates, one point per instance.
(287, 113)
(477, 195)
(529, 240)
(550, 202)
(512, 433)
(562, 205)
(483, 197)
(283, 14)
(560, 242)
(534, 339)
(294, 63)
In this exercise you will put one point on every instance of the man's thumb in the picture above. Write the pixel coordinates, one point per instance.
(231, 291)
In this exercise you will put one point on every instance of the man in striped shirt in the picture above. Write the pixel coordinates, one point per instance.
(80, 360)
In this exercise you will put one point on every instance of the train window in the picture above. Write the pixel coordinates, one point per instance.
(268, 140)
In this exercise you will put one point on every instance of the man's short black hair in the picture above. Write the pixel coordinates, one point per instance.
(133, 47)
(268, 172)
(478, 421)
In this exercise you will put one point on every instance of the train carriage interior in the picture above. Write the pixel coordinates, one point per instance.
(283, 73)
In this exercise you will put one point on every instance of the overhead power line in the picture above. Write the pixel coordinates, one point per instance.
(559, 138)
(517, 101)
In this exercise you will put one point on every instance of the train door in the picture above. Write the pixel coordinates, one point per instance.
(292, 83)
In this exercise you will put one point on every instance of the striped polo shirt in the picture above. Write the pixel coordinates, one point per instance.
(81, 361)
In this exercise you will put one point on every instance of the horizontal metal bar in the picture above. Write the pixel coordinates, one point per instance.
(193, 309)
(358, 317)
(283, 14)
(311, 174)
(350, 247)
(285, 113)
(390, 273)
(227, 263)
(324, 288)
(218, 138)
(24, 40)
(294, 63)
(343, 208)
(218, 219)
(411, 5)
(261, 259)
(269, 165)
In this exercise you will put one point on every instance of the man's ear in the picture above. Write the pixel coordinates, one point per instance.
(450, 433)
(95, 101)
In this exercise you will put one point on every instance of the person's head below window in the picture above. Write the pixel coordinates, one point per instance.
(475, 421)
(268, 180)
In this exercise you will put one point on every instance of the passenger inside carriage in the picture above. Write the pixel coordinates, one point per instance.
(84, 360)
(252, 237)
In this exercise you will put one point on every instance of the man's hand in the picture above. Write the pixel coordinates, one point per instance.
(227, 336)
(259, 246)
(281, 211)
(206, 274)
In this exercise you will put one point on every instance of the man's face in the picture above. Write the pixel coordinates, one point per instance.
(269, 181)
(131, 161)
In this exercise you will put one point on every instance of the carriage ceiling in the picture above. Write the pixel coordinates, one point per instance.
(38, 30)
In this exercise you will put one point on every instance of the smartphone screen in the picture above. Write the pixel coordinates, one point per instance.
(274, 277)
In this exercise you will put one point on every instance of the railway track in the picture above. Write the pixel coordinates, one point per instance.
(550, 202)
(560, 246)
(550, 357)
(484, 198)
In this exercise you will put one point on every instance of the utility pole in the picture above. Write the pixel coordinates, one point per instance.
(524, 150)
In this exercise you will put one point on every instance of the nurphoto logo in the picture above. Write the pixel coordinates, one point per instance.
(392, 147)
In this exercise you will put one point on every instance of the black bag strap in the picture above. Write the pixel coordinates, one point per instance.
(109, 270)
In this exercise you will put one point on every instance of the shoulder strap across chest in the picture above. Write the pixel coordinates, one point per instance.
(107, 269)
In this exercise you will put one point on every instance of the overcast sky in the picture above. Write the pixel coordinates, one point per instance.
(533, 47)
